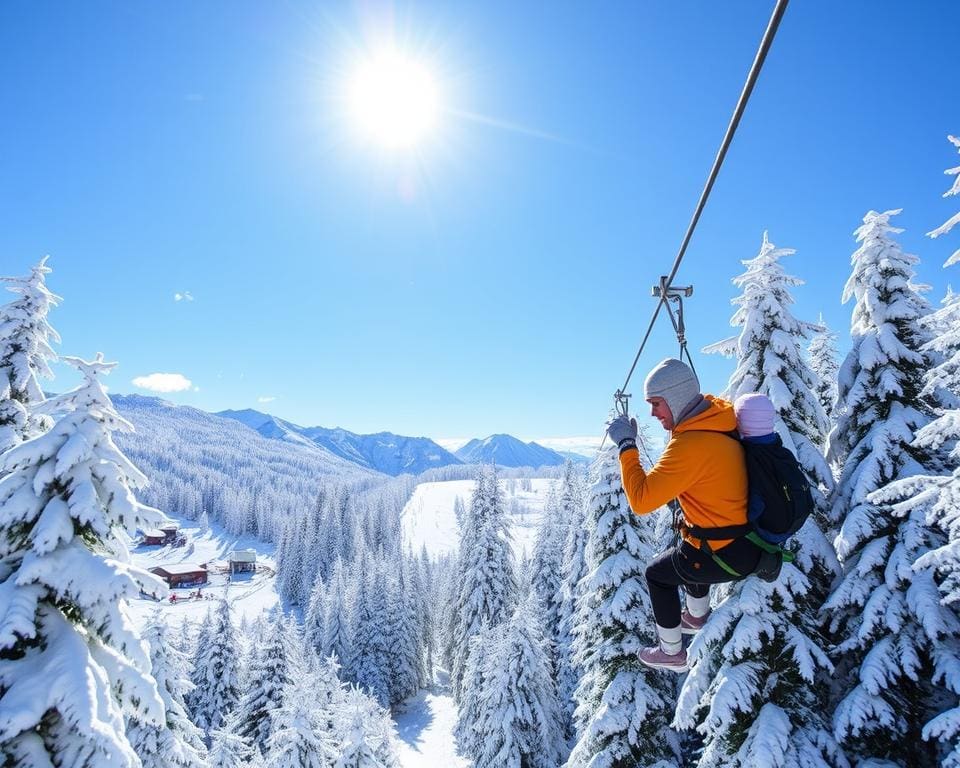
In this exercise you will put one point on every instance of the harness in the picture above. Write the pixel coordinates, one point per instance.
(771, 554)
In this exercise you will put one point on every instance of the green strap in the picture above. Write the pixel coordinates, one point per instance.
(766, 546)
(725, 567)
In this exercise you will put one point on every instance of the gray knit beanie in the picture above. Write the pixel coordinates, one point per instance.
(674, 382)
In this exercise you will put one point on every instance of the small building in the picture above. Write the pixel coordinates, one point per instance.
(170, 532)
(182, 574)
(153, 536)
(243, 561)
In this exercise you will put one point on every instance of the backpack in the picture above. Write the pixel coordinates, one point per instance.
(775, 478)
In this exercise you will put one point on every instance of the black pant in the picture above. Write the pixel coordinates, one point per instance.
(695, 571)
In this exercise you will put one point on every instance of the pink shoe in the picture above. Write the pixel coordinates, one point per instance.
(656, 657)
(690, 625)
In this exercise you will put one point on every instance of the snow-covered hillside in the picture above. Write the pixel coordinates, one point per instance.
(429, 518)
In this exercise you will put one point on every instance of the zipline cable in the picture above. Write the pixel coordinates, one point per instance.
(755, 69)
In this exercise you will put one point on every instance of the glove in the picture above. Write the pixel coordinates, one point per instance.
(623, 432)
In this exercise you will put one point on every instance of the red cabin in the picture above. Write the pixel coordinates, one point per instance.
(182, 574)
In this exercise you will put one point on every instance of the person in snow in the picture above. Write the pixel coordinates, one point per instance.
(703, 468)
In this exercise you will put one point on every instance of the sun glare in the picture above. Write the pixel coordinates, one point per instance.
(394, 100)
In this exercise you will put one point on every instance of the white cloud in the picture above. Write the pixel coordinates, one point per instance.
(266, 399)
(185, 296)
(163, 382)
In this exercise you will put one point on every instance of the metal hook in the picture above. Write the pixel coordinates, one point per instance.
(622, 403)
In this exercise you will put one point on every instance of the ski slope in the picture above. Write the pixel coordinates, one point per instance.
(428, 519)
(425, 725)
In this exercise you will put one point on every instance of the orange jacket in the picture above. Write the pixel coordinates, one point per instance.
(701, 467)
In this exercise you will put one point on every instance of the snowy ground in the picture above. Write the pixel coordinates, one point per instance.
(425, 727)
(248, 594)
(428, 519)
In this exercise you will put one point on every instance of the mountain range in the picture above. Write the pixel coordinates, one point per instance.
(397, 454)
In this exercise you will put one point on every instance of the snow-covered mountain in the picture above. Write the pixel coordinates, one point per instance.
(382, 452)
(508, 451)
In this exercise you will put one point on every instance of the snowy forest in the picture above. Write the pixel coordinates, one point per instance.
(850, 658)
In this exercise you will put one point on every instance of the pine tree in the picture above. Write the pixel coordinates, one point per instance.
(268, 674)
(370, 659)
(228, 750)
(823, 363)
(338, 638)
(215, 673)
(71, 665)
(546, 571)
(403, 633)
(770, 359)
(178, 743)
(301, 738)
(955, 219)
(882, 612)
(482, 646)
(519, 722)
(486, 579)
(365, 732)
(572, 509)
(937, 499)
(25, 354)
(314, 620)
(421, 589)
(624, 708)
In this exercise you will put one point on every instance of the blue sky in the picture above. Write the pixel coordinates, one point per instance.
(497, 278)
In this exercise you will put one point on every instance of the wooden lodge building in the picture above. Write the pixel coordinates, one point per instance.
(166, 534)
(182, 574)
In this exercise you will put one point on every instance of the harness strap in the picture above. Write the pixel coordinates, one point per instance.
(725, 532)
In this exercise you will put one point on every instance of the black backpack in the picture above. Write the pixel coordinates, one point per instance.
(774, 476)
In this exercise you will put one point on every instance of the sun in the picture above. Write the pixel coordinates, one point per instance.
(393, 99)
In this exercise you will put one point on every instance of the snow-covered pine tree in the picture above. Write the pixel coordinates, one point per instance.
(519, 722)
(403, 632)
(882, 613)
(178, 743)
(770, 359)
(71, 664)
(486, 579)
(421, 595)
(572, 509)
(301, 738)
(228, 750)
(268, 674)
(936, 500)
(825, 366)
(315, 617)
(25, 354)
(215, 672)
(370, 654)
(624, 708)
(338, 637)
(955, 219)
(469, 741)
(366, 733)
(546, 571)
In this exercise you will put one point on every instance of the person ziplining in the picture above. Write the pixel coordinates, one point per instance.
(721, 505)
(730, 521)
